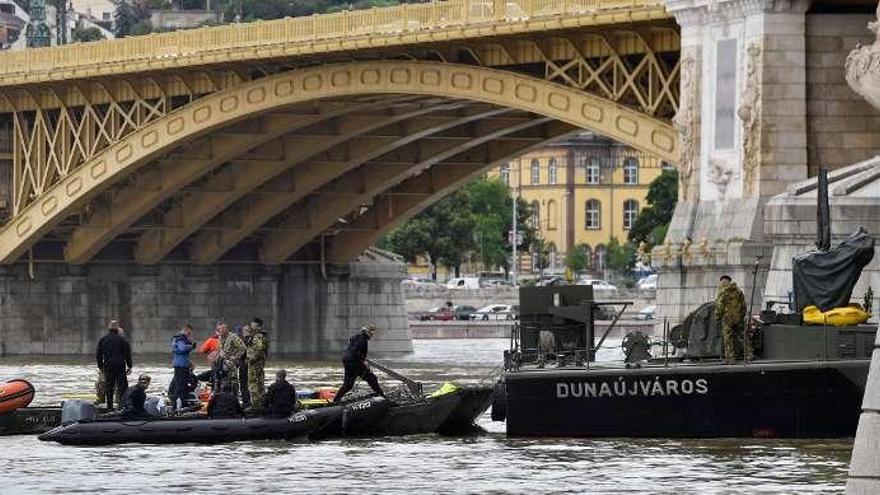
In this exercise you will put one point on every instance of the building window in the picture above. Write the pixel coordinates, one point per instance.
(601, 252)
(552, 257)
(594, 215)
(592, 170)
(630, 213)
(536, 172)
(666, 166)
(536, 215)
(505, 174)
(631, 171)
(588, 252)
(551, 215)
(551, 179)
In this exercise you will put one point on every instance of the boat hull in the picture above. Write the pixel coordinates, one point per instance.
(202, 430)
(30, 420)
(411, 418)
(784, 400)
(475, 400)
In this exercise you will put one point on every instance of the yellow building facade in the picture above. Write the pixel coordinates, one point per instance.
(584, 189)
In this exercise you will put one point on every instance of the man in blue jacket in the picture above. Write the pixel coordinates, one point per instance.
(181, 345)
(354, 360)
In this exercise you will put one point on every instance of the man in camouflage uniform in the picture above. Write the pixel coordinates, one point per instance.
(730, 312)
(258, 350)
(232, 350)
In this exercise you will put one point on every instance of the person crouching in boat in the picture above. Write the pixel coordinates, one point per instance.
(280, 400)
(224, 404)
(134, 399)
(354, 360)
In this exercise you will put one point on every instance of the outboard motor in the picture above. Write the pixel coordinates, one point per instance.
(77, 410)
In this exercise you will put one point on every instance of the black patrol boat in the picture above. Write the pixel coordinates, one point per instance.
(806, 381)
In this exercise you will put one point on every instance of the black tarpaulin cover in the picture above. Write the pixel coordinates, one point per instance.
(826, 279)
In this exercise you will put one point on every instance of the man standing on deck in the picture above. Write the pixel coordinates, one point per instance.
(730, 312)
(114, 361)
(232, 350)
(181, 345)
(257, 352)
(354, 360)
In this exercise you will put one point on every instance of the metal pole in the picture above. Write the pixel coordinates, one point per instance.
(515, 261)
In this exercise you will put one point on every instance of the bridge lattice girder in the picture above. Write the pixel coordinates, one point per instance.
(275, 153)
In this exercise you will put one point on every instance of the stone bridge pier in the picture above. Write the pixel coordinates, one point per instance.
(764, 103)
(63, 309)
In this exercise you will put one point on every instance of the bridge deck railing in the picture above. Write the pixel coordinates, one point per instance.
(402, 19)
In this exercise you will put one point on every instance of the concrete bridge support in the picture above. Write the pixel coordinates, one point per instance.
(63, 309)
(764, 103)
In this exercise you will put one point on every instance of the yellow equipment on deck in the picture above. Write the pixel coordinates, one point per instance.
(837, 317)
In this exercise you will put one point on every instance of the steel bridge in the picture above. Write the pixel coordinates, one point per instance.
(309, 138)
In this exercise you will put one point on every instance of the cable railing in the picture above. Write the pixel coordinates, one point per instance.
(398, 20)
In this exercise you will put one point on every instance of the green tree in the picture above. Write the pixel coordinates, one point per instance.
(84, 34)
(620, 257)
(471, 223)
(653, 221)
(125, 18)
(576, 259)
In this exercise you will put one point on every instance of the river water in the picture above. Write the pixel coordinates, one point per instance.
(485, 463)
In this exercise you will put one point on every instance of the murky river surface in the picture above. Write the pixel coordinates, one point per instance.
(487, 463)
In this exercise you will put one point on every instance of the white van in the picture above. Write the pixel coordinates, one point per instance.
(463, 283)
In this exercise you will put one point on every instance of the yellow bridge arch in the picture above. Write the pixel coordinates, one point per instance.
(561, 109)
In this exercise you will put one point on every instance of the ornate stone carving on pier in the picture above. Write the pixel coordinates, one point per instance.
(749, 113)
(863, 67)
(719, 173)
(685, 122)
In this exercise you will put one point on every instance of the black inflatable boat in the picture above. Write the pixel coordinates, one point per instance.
(475, 400)
(191, 430)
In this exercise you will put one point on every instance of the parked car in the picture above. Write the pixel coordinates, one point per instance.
(463, 283)
(429, 314)
(496, 312)
(602, 312)
(551, 280)
(646, 313)
(463, 312)
(648, 283)
(598, 285)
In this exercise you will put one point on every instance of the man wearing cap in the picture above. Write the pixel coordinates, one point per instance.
(134, 399)
(257, 352)
(355, 362)
(280, 399)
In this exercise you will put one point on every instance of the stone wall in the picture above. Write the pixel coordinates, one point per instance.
(841, 127)
(64, 309)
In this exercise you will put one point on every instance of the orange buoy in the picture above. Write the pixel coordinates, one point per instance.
(15, 394)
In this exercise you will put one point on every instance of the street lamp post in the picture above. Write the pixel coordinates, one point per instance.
(514, 241)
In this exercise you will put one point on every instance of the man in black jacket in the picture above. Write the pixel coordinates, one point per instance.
(134, 399)
(355, 362)
(114, 361)
(280, 399)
